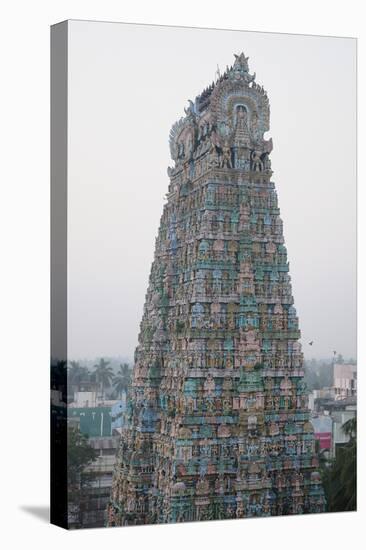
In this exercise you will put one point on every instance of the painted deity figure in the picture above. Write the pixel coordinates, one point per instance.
(257, 164)
(242, 138)
(225, 160)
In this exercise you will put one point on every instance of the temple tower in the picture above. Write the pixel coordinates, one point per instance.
(218, 422)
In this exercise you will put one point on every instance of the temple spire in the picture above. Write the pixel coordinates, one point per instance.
(218, 422)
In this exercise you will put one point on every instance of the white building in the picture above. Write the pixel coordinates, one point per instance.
(344, 380)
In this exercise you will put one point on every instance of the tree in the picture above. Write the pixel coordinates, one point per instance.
(103, 374)
(350, 428)
(339, 480)
(77, 373)
(59, 378)
(325, 375)
(58, 374)
(318, 374)
(122, 379)
(79, 456)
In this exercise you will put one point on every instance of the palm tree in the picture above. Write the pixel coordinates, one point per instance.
(77, 373)
(103, 374)
(122, 379)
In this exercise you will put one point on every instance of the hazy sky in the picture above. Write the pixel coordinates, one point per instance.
(127, 85)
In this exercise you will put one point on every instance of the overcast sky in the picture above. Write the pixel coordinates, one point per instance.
(127, 85)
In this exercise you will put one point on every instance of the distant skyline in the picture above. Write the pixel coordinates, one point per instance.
(86, 361)
(128, 84)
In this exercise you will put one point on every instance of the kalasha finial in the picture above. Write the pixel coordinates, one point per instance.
(240, 69)
(241, 61)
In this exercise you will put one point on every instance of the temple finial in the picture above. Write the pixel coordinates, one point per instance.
(241, 62)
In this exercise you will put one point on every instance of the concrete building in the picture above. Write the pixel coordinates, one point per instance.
(345, 410)
(100, 473)
(84, 399)
(100, 424)
(323, 431)
(345, 380)
(328, 419)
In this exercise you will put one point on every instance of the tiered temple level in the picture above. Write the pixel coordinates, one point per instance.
(218, 419)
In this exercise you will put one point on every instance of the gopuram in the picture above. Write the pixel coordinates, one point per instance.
(218, 421)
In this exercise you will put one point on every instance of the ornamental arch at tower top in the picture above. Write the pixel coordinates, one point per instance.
(227, 122)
